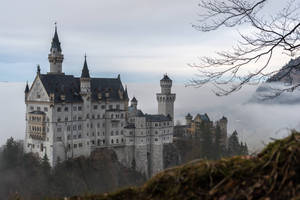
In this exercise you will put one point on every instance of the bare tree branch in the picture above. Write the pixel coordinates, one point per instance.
(279, 32)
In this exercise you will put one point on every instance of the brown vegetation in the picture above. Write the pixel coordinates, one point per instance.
(272, 174)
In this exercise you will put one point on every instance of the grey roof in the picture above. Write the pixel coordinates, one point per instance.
(157, 118)
(130, 126)
(37, 112)
(68, 85)
(204, 117)
(166, 78)
(85, 70)
(27, 88)
(133, 99)
(189, 116)
(55, 41)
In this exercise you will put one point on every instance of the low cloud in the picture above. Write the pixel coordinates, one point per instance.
(255, 123)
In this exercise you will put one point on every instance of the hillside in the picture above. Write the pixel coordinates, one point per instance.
(287, 76)
(23, 175)
(272, 174)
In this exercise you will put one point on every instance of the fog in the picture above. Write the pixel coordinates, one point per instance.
(255, 123)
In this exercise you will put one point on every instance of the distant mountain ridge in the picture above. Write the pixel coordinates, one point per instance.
(287, 76)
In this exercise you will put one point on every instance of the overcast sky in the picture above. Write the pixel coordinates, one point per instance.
(139, 39)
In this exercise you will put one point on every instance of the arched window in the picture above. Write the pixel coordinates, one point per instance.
(112, 141)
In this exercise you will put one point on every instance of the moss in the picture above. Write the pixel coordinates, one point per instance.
(273, 174)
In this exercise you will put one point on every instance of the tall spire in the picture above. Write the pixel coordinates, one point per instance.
(27, 88)
(85, 71)
(55, 56)
(55, 41)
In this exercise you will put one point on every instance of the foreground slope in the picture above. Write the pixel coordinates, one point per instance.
(273, 174)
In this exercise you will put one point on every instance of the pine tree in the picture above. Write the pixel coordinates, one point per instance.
(234, 147)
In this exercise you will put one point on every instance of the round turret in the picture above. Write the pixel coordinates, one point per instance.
(188, 119)
(166, 85)
(134, 102)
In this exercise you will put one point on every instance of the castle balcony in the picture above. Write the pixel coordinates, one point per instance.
(37, 135)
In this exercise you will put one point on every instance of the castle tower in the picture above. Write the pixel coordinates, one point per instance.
(188, 119)
(85, 92)
(26, 91)
(85, 79)
(166, 99)
(55, 56)
(134, 103)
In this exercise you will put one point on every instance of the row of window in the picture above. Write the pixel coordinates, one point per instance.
(37, 118)
(36, 129)
(75, 118)
(39, 108)
(95, 107)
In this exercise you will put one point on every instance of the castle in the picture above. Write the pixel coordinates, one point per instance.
(68, 117)
(194, 128)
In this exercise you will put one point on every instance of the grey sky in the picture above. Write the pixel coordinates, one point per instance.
(136, 38)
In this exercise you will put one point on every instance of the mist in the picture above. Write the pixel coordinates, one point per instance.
(256, 123)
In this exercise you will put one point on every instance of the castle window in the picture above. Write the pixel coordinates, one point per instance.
(93, 116)
(112, 116)
(112, 132)
(122, 115)
(117, 140)
(75, 146)
(66, 119)
(121, 132)
(38, 108)
(45, 109)
(58, 139)
(91, 125)
(118, 106)
(31, 108)
(112, 141)
(103, 107)
(79, 135)
(79, 108)
(98, 116)
(103, 141)
(98, 133)
(74, 137)
(95, 107)
(110, 107)
(93, 134)
(156, 124)
(117, 132)
(98, 125)
(59, 129)
(66, 108)
(74, 108)
(87, 125)
(93, 141)
(98, 142)
(156, 139)
(80, 144)
(79, 127)
(87, 116)
(79, 118)
(74, 127)
(69, 137)
(69, 146)
(58, 109)
(69, 128)
(74, 117)
(122, 140)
